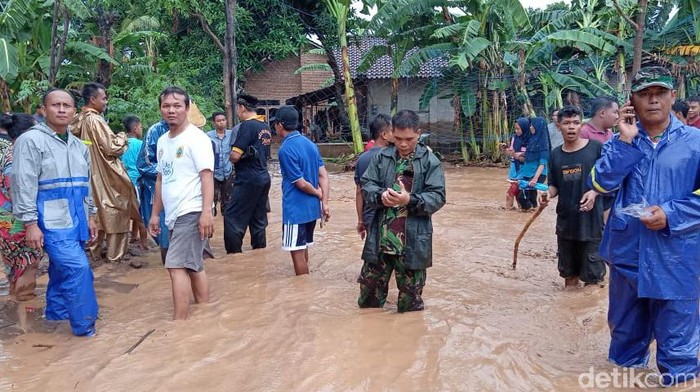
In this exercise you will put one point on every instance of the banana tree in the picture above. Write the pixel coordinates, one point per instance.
(474, 41)
(396, 50)
(553, 83)
(677, 46)
(339, 10)
(15, 17)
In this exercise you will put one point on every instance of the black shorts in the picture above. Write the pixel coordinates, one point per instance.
(580, 258)
(608, 200)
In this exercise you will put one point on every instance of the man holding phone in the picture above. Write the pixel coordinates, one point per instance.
(404, 185)
(654, 260)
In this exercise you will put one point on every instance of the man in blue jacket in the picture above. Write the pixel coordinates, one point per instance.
(52, 197)
(654, 260)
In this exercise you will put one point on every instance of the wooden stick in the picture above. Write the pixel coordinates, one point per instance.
(140, 341)
(534, 216)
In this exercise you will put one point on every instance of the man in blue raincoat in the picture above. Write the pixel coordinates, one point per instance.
(51, 195)
(655, 259)
(146, 163)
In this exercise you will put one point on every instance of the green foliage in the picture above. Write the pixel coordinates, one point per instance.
(8, 60)
(501, 58)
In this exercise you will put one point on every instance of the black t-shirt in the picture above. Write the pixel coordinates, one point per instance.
(568, 172)
(253, 141)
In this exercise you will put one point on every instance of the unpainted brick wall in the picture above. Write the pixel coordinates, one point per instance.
(278, 81)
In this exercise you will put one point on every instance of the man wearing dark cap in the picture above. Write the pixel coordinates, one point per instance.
(247, 207)
(305, 187)
(654, 255)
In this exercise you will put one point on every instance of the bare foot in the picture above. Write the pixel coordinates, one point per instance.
(572, 282)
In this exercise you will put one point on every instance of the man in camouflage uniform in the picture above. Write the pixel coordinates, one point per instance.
(405, 185)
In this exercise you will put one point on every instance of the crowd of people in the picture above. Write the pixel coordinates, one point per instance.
(647, 175)
(74, 184)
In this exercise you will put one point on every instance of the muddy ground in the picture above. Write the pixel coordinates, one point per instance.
(485, 326)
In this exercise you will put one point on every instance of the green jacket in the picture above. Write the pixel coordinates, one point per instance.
(427, 196)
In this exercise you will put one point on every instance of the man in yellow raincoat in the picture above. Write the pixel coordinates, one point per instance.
(112, 189)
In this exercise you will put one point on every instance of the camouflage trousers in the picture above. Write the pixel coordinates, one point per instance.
(374, 284)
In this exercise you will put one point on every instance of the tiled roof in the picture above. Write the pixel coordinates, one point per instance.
(383, 68)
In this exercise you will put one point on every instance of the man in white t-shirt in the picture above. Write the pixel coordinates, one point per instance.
(185, 189)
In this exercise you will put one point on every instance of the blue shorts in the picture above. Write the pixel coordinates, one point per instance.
(297, 236)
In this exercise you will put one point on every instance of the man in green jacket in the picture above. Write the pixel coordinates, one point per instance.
(405, 184)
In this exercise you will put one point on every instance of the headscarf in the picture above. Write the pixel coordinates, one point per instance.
(522, 140)
(538, 146)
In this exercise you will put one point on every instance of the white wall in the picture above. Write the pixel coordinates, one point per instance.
(410, 90)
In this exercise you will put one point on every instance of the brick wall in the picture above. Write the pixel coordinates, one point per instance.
(313, 80)
(278, 81)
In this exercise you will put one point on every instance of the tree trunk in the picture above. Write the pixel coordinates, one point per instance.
(228, 96)
(639, 35)
(394, 95)
(53, 69)
(491, 143)
(312, 20)
(350, 99)
(5, 95)
(528, 110)
(638, 27)
(231, 69)
(339, 11)
(504, 129)
(226, 64)
(58, 43)
(457, 126)
(105, 21)
(338, 77)
(573, 99)
(680, 86)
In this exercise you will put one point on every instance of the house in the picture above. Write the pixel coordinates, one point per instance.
(309, 90)
(374, 85)
(277, 83)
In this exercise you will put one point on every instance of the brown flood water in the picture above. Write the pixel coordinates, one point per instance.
(485, 327)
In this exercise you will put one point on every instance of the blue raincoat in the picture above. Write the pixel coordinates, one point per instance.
(146, 164)
(654, 275)
(50, 186)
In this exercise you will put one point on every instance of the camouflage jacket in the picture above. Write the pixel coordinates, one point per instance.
(427, 197)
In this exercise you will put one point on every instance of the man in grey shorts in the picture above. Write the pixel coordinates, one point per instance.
(185, 189)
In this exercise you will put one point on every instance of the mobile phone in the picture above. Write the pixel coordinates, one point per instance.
(630, 120)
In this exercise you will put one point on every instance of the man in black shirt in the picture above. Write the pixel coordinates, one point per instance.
(579, 211)
(247, 207)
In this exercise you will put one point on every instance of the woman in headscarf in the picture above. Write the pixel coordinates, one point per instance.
(518, 145)
(21, 261)
(534, 167)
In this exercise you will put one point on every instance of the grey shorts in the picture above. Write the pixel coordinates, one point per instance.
(187, 249)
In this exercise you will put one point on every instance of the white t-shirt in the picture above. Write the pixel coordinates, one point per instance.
(180, 160)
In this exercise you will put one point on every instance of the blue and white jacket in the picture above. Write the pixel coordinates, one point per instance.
(50, 184)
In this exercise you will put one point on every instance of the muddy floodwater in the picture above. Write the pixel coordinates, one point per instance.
(485, 326)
